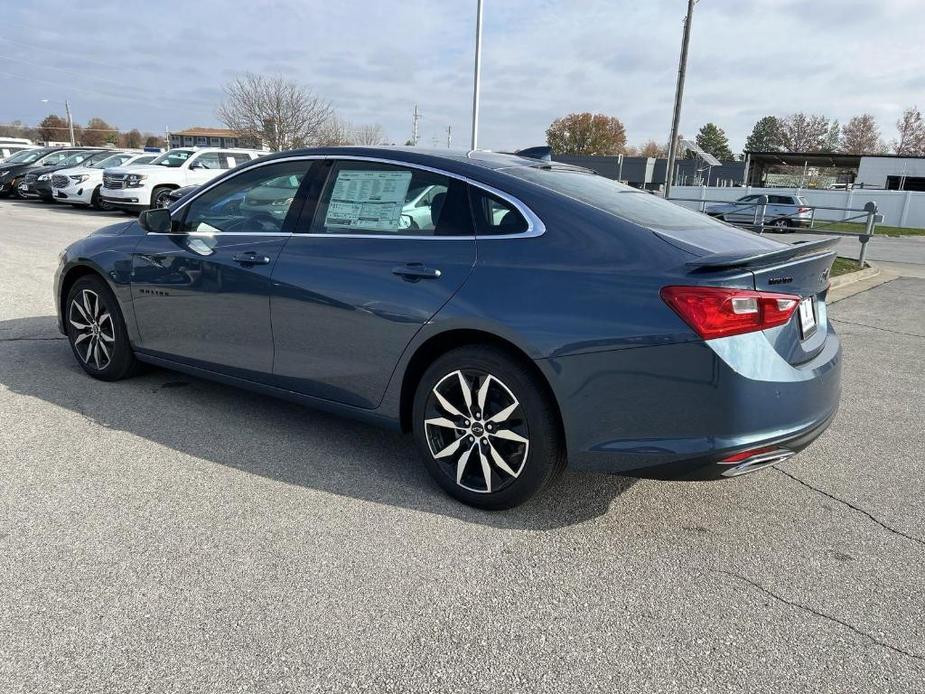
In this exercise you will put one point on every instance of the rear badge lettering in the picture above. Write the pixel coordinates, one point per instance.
(780, 280)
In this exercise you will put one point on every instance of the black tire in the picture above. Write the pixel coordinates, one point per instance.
(14, 190)
(533, 418)
(160, 196)
(113, 359)
(96, 201)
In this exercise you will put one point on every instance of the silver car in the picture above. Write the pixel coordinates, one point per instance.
(783, 210)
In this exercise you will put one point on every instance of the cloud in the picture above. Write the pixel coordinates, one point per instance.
(164, 64)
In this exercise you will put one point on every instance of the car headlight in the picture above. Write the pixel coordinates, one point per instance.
(44, 177)
(4, 173)
(79, 178)
(135, 180)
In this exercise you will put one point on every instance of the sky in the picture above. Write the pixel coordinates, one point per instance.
(162, 65)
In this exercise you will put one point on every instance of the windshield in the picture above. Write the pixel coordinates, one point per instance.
(173, 158)
(114, 160)
(74, 159)
(628, 203)
(27, 156)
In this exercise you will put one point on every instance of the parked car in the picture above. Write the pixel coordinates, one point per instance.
(12, 145)
(179, 193)
(81, 185)
(539, 314)
(14, 169)
(141, 188)
(782, 211)
(37, 181)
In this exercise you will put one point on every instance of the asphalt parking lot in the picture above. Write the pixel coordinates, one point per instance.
(166, 534)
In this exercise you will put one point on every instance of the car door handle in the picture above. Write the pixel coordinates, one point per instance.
(251, 258)
(416, 271)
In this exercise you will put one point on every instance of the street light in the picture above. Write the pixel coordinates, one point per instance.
(67, 109)
(679, 92)
(475, 85)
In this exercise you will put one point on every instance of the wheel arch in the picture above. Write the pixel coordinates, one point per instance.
(70, 277)
(443, 342)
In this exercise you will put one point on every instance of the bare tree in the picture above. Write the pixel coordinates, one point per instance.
(911, 128)
(335, 132)
(368, 135)
(277, 112)
(861, 135)
(799, 132)
(653, 149)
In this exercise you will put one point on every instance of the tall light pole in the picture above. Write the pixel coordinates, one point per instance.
(678, 94)
(70, 122)
(475, 84)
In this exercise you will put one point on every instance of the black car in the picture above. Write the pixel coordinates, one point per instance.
(36, 183)
(13, 168)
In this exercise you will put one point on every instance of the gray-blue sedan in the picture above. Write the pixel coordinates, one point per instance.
(515, 314)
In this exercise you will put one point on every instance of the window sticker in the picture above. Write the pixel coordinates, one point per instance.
(368, 200)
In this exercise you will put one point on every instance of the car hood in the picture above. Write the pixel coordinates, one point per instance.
(76, 170)
(140, 169)
(39, 170)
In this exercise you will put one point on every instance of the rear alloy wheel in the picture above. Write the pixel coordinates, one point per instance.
(781, 224)
(486, 429)
(96, 331)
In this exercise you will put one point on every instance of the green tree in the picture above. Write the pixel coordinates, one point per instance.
(586, 133)
(832, 138)
(765, 136)
(712, 140)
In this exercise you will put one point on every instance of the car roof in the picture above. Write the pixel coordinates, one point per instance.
(455, 161)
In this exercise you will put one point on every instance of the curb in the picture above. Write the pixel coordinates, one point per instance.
(852, 277)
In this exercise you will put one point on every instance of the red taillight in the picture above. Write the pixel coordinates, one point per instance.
(744, 455)
(804, 209)
(720, 311)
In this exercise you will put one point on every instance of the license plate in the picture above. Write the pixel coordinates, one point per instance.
(807, 317)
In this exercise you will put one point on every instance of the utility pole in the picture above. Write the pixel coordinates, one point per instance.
(70, 122)
(414, 126)
(475, 83)
(449, 136)
(678, 94)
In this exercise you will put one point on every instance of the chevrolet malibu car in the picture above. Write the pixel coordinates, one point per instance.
(538, 316)
(782, 212)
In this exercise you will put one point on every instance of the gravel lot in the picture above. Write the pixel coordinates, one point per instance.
(166, 534)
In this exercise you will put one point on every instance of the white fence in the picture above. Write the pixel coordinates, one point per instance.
(899, 208)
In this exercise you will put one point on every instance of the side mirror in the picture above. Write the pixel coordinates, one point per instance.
(156, 220)
(196, 165)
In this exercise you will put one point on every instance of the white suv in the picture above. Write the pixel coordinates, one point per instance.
(81, 185)
(141, 187)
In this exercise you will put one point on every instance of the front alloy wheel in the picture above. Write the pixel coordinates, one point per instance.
(95, 336)
(96, 330)
(487, 428)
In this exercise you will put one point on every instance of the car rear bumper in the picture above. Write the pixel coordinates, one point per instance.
(676, 411)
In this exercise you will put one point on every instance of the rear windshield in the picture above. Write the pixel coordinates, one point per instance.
(619, 200)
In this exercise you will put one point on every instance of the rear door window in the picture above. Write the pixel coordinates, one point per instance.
(372, 198)
(209, 160)
(495, 216)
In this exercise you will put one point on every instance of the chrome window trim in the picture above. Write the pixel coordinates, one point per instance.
(535, 225)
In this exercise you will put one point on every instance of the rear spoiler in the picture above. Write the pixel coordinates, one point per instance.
(718, 261)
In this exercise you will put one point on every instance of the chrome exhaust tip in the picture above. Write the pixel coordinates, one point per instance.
(755, 462)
